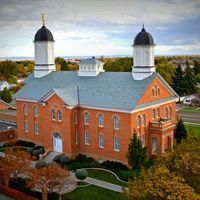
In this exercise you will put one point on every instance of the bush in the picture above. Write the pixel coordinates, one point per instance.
(81, 174)
(10, 143)
(126, 175)
(30, 150)
(57, 158)
(37, 152)
(51, 164)
(84, 158)
(64, 159)
(114, 166)
(25, 143)
(40, 164)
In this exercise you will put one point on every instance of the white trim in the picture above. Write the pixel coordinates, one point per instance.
(27, 100)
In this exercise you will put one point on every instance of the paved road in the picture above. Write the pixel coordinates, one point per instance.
(193, 117)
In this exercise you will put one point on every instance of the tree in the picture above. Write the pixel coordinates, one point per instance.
(6, 95)
(136, 152)
(15, 162)
(61, 62)
(180, 132)
(47, 179)
(178, 81)
(81, 174)
(196, 68)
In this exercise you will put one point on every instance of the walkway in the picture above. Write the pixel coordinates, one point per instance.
(103, 184)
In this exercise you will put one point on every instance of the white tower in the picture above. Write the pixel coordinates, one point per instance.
(44, 52)
(90, 67)
(143, 51)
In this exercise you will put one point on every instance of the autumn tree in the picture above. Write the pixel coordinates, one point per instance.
(6, 95)
(15, 162)
(136, 152)
(47, 179)
(180, 131)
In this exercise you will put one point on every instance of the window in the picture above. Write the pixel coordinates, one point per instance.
(156, 90)
(25, 109)
(170, 111)
(87, 138)
(116, 144)
(100, 120)
(26, 127)
(86, 118)
(138, 121)
(59, 115)
(35, 110)
(154, 145)
(166, 113)
(101, 141)
(36, 128)
(143, 140)
(153, 94)
(143, 120)
(53, 114)
(116, 123)
(157, 112)
(75, 118)
(153, 114)
(76, 136)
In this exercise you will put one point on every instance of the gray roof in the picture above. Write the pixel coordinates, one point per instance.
(117, 90)
(90, 61)
(43, 34)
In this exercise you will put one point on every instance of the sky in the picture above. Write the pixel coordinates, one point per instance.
(100, 27)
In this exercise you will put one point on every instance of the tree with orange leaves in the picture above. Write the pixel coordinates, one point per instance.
(47, 179)
(15, 162)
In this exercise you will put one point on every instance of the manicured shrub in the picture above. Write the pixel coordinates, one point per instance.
(37, 152)
(84, 158)
(126, 175)
(25, 143)
(114, 166)
(30, 150)
(39, 147)
(10, 143)
(57, 158)
(64, 159)
(81, 174)
(40, 164)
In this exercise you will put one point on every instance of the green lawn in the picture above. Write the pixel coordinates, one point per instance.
(194, 128)
(104, 176)
(191, 109)
(93, 193)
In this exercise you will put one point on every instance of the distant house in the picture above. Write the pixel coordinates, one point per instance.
(192, 100)
(4, 84)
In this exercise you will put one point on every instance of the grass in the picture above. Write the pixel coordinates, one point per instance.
(104, 176)
(191, 109)
(93, 192)
(195, 129)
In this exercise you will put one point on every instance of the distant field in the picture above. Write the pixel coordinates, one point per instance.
(194, 128)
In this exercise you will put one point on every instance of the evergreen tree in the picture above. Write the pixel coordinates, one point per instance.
(136, 153)
(6, 95)
(178, 81)
(180, 131)
(196, 68)
(189, 81)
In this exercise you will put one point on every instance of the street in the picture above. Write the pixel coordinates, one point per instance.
(192, 117)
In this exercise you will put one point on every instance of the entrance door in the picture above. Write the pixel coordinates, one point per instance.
(57, 143)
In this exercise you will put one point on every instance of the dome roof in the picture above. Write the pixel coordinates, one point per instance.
(143, 38)
(43, 34)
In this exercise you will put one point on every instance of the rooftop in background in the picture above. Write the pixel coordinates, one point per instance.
(6, 125)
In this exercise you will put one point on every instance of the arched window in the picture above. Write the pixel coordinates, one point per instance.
(59, 115)
(116, 123)
(170, 111)
(25, 109)
(166, 113)
(75, 118)
(100, 120)
(157, 112)
(153, 113)
(53, 114)
(143, 120)
(35, 111)
(86, 118)
(138, 121)
(154, 145)
(153, 93)
(156, 90)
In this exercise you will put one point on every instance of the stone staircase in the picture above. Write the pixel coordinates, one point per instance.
(50, 156)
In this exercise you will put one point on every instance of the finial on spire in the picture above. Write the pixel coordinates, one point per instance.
(43, 20)
(143, 25)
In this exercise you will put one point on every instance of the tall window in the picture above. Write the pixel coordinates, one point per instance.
(59, 115)
(36, 131)
(166, 113)
(138, 121)
(26, 127)
(153, 113)
(156, 90)
(35, 110)
(87, 137)
(157, 112)
(86, 118)
(101, 141)
(154, 145)
(100, 120)
(76, 136)
(116, 144)
(116, 123)
(143, 140)
(25, 109)
(143, 120)
(53, 114)
(153, 93)
(75, 118)
(170, 111)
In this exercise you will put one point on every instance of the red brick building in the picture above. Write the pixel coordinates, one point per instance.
(94, 112)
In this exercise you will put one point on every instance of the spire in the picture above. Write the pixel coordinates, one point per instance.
(143, 29)
(43, 19)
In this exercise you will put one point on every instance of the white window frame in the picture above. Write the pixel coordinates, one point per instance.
(25, 109)
(53, 114)
(116, 122)
(116, 144)
(87, 138)
(35, 110)
(101, 140)
(144, 120)
(86, 118)
(154, 147)
(100, 120)
(138, 121)
(143, 140)
(59, 113)
(26, 126)
(36, 128)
